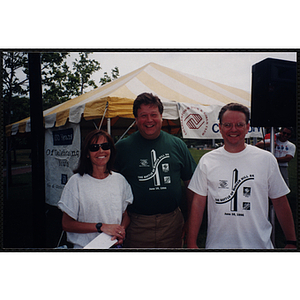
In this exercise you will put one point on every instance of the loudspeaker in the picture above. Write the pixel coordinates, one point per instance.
(273, 94)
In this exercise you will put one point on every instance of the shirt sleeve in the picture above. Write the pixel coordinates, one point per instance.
(128, 196)
(276, 186)
(69, 202)
(198, 183)
(292, 149)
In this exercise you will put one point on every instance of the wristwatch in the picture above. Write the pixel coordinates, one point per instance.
(98, 226)
(291, 243)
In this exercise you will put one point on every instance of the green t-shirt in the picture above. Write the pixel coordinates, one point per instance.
(154, 168)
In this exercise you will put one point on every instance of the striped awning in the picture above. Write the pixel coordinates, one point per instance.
(169, 85)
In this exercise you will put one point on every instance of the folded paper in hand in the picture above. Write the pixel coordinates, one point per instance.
(102, 241)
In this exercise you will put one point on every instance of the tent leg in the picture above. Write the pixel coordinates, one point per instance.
(213, 142)
(272, 212)
(108, 126)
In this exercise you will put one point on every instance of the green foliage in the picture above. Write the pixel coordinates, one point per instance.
(114, 75)
(83, 69)
(55, 72)
(13, 88)
(60, 82)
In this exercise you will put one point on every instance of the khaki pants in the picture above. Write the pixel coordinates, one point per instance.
(155, 231)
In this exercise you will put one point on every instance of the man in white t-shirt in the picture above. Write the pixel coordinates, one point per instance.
(284, 150)
(236, 181)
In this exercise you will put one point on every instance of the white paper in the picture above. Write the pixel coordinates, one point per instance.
(102, 241)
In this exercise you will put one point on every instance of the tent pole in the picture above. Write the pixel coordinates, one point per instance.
(106, 106)
(108, 126)
(272, 212)
(126, 131)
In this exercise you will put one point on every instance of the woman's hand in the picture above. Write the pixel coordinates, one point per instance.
(117, 231)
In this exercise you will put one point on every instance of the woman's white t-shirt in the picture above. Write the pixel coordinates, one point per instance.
(91, 200)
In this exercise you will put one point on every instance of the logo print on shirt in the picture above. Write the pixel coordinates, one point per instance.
(165, 168)
(233, 196)
(223, 184)
(155, 171)
(144, 163)
(246, 205)
(247, 191)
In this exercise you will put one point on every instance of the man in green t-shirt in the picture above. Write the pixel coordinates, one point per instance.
(154, 163)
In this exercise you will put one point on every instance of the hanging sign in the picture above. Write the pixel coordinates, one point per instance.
(201, 122)
(62, 152)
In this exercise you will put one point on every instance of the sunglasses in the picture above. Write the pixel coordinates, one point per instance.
(96, 147)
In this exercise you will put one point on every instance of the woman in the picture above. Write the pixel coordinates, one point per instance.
(95, 198)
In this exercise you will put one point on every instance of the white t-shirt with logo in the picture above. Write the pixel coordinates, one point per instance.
(282, 149)
(238, 186)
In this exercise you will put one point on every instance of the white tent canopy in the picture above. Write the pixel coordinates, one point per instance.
(171, 86)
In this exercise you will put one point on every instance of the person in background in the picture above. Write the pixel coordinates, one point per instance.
(154, 163)
(236, 182)
(284, 150)
(95, 198)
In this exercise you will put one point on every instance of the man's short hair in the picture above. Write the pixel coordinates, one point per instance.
(235, 107)
(147, 99)
(288, 128)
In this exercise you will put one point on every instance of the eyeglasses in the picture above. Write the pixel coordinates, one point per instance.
(96, 147)
(286, 133)
(230, 125)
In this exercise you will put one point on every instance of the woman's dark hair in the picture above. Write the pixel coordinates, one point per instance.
(235, 107)
(147, 99)
(85, 166)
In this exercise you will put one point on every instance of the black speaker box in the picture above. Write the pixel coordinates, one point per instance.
(273, 95)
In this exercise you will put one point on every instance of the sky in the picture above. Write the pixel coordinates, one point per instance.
(230, 68)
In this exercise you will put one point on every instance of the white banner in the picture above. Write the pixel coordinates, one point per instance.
(62, 152)
(201, 122)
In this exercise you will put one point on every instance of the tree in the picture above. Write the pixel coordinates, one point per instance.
(60, 83)
(14, 88)
(55, 76)
(114, 75)
(83, 69)
(16, 92)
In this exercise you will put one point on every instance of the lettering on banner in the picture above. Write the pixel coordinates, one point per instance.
(56, 152)
(63, 137)
(62, 151)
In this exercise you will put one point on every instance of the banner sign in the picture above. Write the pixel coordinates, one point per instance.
(201, 122)
(62, 152)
